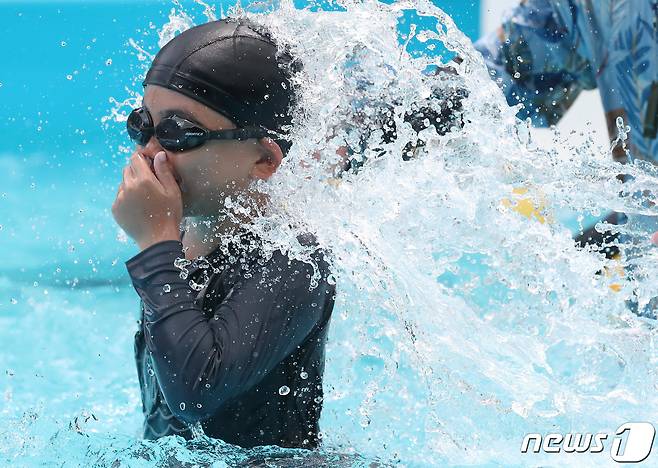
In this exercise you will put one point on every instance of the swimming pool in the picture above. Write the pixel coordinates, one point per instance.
(461, 327)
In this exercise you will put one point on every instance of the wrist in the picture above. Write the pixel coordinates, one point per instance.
(159, 237)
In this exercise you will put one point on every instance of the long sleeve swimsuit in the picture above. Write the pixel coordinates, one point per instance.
(234, 341)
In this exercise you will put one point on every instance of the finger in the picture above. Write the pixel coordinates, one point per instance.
(165, 174)
(133, 163)
(140, 166)
(654, 238)
(119, 196)
(128, 175)
(133, 172)
(128, 171)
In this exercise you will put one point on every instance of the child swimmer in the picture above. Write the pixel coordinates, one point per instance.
(227, 339)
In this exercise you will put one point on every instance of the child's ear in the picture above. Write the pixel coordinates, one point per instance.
(270, 162)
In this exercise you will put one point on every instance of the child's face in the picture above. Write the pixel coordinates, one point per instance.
(209, 173)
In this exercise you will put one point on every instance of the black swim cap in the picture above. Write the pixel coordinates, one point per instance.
(234, 67)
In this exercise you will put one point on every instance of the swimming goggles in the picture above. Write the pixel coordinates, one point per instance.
(175, 133)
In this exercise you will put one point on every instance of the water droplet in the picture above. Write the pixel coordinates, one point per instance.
(182, 406)
(69, 77)
(166, 288)
(284, 390)
(196, 286)
(304, 375)
(181, 263)
(517, 75)
(150, 372)
(13, 301)
(108, 62)
(63, 43)
(197, 430)
(198, 405)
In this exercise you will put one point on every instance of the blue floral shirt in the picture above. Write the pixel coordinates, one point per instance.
(547, 51)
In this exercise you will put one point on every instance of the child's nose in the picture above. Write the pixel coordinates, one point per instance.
(152, 148)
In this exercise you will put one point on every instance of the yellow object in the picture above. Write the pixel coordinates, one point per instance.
(530, 207)
(616, 270)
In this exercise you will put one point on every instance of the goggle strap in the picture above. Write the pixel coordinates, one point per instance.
(243, 133)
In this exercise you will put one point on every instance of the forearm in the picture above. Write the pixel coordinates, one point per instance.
(537, 59)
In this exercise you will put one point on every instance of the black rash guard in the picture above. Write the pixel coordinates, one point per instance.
(244, 355)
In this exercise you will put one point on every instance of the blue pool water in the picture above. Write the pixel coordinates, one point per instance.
(461, 326)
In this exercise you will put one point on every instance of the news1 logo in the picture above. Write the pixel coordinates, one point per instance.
(638, 436)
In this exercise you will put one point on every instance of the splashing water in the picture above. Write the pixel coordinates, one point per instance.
(460, 324)
(477, 325)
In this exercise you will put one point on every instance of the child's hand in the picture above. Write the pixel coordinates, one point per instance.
(654, 238)
(148, 206)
